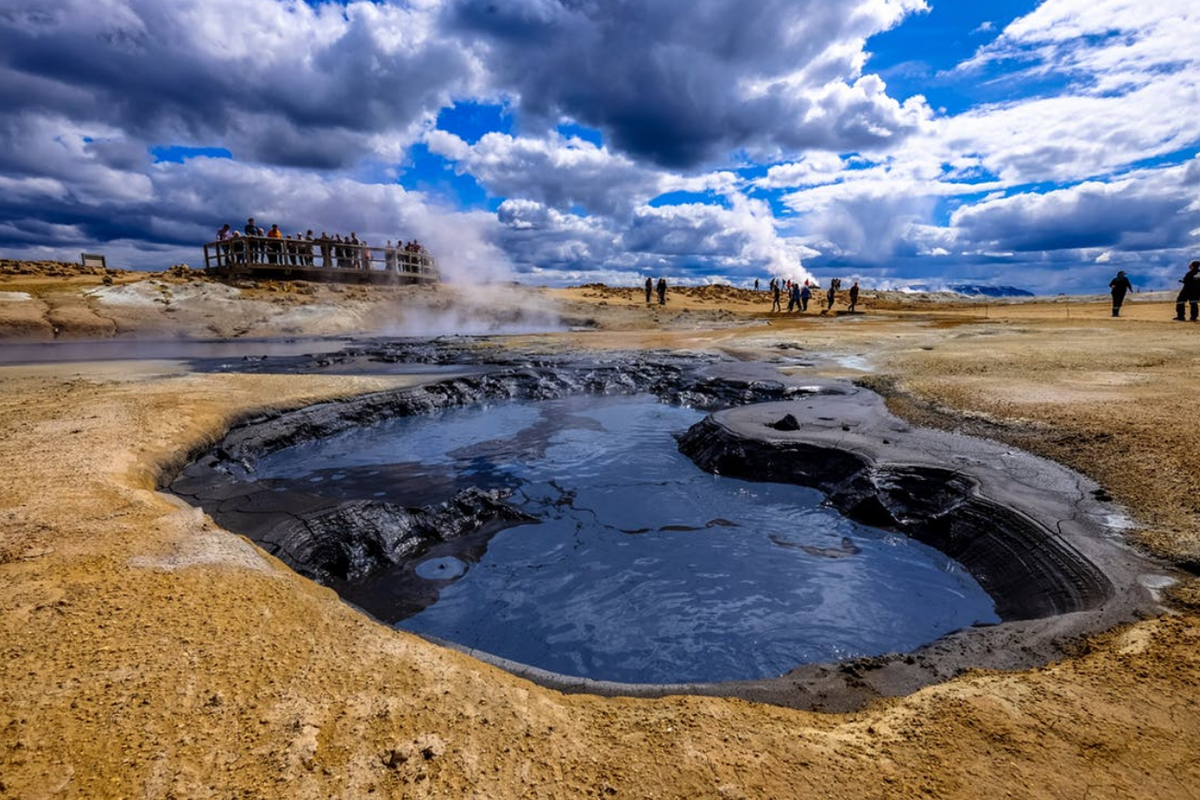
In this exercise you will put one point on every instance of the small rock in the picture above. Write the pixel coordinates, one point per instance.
(787, 423)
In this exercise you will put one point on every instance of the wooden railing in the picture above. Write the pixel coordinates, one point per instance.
(248, 256)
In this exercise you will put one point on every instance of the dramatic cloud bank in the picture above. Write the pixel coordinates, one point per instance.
(555, 141)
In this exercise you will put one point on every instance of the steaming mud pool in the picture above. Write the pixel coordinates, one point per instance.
(640, 567)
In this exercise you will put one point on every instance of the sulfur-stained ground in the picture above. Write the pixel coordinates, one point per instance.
(145, 652)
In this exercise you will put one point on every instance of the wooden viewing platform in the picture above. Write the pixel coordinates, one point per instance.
(317, 260)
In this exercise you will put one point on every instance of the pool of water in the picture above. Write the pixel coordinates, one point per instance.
(642, 568)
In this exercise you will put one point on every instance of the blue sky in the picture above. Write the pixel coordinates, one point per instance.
(1036, 144)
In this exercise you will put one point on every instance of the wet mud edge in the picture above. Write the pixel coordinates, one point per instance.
(1031, 531)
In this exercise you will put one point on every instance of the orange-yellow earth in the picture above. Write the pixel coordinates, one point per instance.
(146, 652)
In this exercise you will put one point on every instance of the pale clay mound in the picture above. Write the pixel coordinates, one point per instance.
(146, 652)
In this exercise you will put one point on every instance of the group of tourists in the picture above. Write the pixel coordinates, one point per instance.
(1188, 299)
(799, 295)
(660, 287)
(254, 245)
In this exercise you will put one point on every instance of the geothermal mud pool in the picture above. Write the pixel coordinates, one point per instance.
(569, 542)
(640, 568)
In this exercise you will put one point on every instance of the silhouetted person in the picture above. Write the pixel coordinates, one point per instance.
(253, 246)
(1119, 286)
(1190, 293)
(830, 296)
(793, 297)
(649, 289)
(853, 296)
(775, 305)
(662, 291)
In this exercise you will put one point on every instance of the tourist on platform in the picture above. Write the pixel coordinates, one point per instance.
(295, 248)
(238, 246)
(252, 245)
(223, 236)
(325, 245)
(275, 245)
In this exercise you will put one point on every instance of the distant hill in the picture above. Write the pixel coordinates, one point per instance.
(979, 290)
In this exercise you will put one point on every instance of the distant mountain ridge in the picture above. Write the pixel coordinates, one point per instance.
(969, 289)
(976, 289)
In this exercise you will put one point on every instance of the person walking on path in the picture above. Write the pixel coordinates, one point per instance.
(662, 291)
(831, 296)
(649, 289)
(805, 296)
(1190, 293)
(853, 296)
(1119, 285)
(775, 305)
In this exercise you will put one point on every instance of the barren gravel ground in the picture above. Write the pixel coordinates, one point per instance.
(144, 652)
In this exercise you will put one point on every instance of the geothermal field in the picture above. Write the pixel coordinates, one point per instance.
(287, 539)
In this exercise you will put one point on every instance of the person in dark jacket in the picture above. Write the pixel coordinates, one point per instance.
(1119, 285)
(662, 291)
(649, 289)
(1190, 293)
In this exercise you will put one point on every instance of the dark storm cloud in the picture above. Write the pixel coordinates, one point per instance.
(274, 83)
(683, 84)
(1154, 211)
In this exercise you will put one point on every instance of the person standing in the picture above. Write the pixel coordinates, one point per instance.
(853, 296)
(275, 245)
(805, 296)
(662, 291)
(224, 236)
(325, 245)
(832, 295)
(1119, 286)
(1190, 293)
(649, 289)
(775, 305)
(252, 244)
(794, 297)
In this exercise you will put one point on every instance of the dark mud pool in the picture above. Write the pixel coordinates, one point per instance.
(641, 567)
